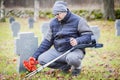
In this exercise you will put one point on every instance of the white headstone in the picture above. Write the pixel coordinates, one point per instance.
(11, 19)
(15, 27)
(96, 32)
(25, 46)
(30, 22)
(44, 28)
(117, 27)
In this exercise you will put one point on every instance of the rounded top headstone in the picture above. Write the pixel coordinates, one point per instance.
(15, 25)
(11, 19)
(117, 23)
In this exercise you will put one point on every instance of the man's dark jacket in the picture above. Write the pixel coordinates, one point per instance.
(60, 32)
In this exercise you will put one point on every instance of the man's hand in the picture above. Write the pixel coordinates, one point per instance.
(73, 41)
(32, 61)
(30, 65)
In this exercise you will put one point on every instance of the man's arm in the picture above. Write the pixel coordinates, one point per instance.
(84, 31)
(45, 45)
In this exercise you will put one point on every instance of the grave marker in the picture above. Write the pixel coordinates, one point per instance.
(44, 28)
(31, 22)
(96, 32)
(117, 27)
(25, 46)
(11, 19)
(15, 27)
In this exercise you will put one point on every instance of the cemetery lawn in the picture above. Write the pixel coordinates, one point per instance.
(98, 64)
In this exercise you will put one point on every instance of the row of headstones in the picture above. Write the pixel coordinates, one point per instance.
(26, 44)
(15, 26)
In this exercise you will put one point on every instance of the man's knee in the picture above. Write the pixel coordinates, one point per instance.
(41, 60)
(73, 59)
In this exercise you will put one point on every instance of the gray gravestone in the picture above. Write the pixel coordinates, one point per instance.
(25, 46)
(31, 22)
(117, 26)
(15, 27)
(44, 28)
(96, 32)
(11, 19)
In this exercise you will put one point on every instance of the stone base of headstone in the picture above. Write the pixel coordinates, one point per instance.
(20, 67)
(25, 46)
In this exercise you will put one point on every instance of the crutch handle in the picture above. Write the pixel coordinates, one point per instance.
(91, 45)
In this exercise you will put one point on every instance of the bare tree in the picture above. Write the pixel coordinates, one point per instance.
(109, 13)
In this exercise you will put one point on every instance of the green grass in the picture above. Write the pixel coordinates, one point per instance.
(98, 64)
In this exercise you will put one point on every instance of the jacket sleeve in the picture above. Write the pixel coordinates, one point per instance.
(45, 45)
(84, 32)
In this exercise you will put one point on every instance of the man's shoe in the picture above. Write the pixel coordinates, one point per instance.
(66, 69)
(76, 72)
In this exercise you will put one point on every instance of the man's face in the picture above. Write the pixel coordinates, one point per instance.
(60, 16)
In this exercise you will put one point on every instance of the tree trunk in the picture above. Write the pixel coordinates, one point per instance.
(2, 12)
(36, 10)
(109, 13)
